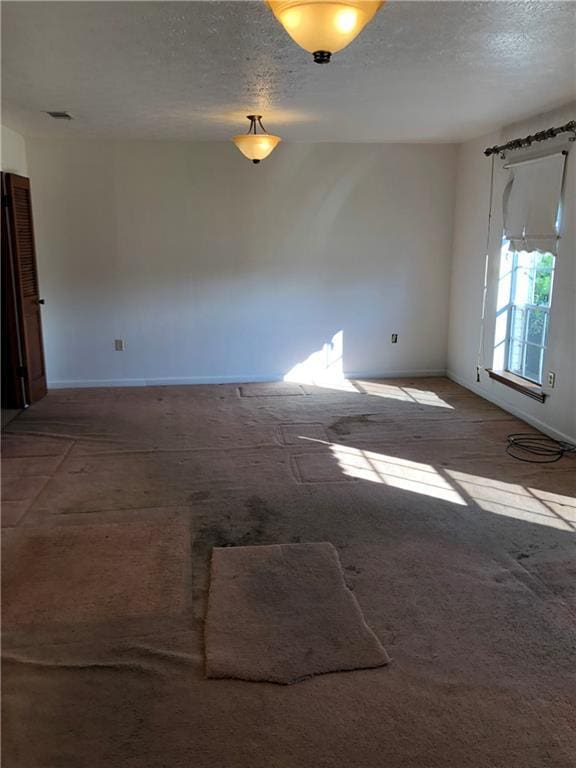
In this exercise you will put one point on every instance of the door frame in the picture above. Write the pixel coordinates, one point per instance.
(13, 391)
(19, 389)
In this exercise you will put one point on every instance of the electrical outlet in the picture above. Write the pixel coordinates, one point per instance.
(394, 338)
(551, 378)
(119, 345)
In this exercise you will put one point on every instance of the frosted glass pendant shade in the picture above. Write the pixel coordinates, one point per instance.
(256, 146)
(323, 27)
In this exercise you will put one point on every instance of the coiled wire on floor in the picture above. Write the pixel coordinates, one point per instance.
(536, 448)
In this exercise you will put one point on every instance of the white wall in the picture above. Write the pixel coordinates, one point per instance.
(557, 416)
(213, 269)
(12, 152)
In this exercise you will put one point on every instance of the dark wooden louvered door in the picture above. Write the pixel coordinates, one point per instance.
(21, 236)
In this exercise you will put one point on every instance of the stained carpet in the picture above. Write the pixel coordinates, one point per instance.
(460, 557)
(282, 613)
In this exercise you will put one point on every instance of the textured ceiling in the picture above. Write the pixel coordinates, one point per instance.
(421, 71)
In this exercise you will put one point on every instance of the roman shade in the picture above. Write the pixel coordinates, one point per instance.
(531, 203)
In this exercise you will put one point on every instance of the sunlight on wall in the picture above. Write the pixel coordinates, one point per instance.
(323, 368)
(399, 473)
(516, 501)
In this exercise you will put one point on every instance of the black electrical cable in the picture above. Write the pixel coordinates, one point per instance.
(522, 445)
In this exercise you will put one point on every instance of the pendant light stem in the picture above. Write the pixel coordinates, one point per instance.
(255, 121)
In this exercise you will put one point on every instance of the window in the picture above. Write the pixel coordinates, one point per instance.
(525, 293)
(531, 211)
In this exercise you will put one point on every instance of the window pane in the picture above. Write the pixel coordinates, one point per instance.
(518, 323)
(516, 357)
(536, 331)
(542, 260)
(533, 363)
(542, 287)
(522, 320)
(533, 278)
(524, 260)
(526, 360)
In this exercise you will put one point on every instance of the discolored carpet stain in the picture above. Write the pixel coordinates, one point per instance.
(220, 535)
(343, 425)
(251, 530)
(200, 496)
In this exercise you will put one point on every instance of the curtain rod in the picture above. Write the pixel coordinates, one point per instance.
(527, 141)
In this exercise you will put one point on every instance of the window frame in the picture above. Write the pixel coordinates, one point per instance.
(511, 307)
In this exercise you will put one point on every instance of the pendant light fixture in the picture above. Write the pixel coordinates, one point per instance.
(324, 27)
(256, 146)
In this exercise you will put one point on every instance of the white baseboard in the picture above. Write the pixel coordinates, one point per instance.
(160, 382)
(518, 412)
(96, 383)
(406, 374)
(237, 379)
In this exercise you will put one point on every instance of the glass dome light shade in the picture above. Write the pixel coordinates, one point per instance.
(256, 146)
(324, 26)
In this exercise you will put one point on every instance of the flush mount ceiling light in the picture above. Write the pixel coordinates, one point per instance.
(256, 146)
(323, 27)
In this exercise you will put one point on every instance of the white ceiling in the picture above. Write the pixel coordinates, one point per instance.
(421, 71)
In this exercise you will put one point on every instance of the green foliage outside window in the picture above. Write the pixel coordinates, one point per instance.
(543, 282)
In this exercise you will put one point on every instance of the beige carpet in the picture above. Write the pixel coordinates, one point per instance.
(282, 613)
(93, 580)
(461, 558)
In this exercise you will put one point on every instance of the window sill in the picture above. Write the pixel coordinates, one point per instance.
(518, 383)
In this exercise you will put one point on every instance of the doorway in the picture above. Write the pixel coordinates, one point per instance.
(23, 365)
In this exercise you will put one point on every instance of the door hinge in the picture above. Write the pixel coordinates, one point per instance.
(6, 201)
(22, 371)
